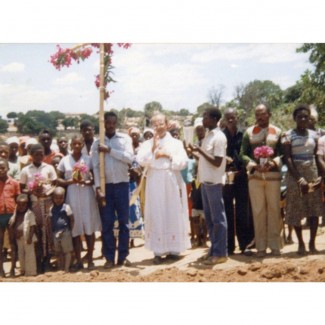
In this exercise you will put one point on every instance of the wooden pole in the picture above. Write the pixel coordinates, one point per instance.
(101, 119)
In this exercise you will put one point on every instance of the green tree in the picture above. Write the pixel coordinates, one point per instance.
(317, 58)
(34, 121)
(313, 82)
(12, 115)
(293, 93)
(3, 126)
(70, 122)
(184, 112)
(200, 109)
(94, 120)
(256, 92)
(151, 108)
(57, 115)
(129, 112)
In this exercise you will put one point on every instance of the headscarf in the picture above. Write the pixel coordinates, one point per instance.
(134, 129)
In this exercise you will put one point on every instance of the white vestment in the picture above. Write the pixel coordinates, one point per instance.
(166, 206)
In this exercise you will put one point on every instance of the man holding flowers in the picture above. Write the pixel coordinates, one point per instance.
(261, 153)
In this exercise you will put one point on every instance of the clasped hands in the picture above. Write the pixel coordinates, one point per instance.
(306, 187)
(159, 152)
(269, 165)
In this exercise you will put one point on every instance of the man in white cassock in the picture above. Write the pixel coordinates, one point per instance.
(166, 209)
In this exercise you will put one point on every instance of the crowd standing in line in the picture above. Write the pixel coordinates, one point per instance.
(226, 185)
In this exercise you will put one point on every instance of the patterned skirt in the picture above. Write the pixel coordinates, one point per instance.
(300, 206)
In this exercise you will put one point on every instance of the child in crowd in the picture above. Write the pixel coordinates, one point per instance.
(62, 222)
(23, 224)
(55, 162)
(9, 190)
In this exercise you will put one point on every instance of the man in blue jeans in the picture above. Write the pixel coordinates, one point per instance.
(118, 155)
(211, 175)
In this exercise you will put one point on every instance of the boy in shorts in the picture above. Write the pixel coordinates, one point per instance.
(61, 224)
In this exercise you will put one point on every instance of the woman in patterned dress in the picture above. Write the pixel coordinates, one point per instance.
(304, 198)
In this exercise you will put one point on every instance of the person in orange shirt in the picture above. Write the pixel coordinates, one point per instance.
(9, 190)
(45, 139)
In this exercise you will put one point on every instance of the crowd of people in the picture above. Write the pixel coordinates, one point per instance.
(175, 195)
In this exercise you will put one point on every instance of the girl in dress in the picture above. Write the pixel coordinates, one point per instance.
(75, 173)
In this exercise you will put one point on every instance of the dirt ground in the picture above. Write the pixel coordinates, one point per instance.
(289, 267)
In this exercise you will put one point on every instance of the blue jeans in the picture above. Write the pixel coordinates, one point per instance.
(117, 205)
(215, 218)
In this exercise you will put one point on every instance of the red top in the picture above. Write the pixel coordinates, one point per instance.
(8, 193)
(48, 159)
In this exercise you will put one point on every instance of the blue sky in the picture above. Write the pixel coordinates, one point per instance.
(176, 75)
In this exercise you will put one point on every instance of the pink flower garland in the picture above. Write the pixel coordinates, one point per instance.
(64, 57)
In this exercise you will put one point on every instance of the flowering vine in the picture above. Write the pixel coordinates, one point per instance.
(64, 57)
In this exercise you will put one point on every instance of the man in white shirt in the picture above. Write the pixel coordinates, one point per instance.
(118, 155)
(211, 175)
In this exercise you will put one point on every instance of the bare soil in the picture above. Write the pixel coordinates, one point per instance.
(289, 267)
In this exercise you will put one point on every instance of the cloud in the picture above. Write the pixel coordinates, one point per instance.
(13, 67)
(284, 81)
(265, 53)
(68, 79)
(234, 66)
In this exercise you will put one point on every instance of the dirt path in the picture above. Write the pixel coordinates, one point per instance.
(239, 268)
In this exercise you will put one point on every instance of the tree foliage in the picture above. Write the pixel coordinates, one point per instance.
(34, 121)
(3, 126)
(151, 108)
(200, 109)
(313, 82)
(12, 115)
(317, 58)
(215, 95)
(70, 122)
(92, 119)
(257, 92)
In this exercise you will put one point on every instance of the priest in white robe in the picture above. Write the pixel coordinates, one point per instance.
(166, 209)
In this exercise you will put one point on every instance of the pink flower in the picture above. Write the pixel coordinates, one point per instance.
(97, 81)
(38, 181)
(80, 167)
(263, 152)
(64, 57)
(124, 45)
(85, 53)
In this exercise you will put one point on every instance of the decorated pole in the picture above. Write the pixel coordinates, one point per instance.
(101, 119)
(80, 52)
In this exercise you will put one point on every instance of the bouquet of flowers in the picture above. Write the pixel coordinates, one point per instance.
(79, 171)
(263, 153)
(39, 182)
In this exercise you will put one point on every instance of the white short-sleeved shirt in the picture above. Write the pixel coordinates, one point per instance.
(28, 172)
(215, 144)
(321, 146)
